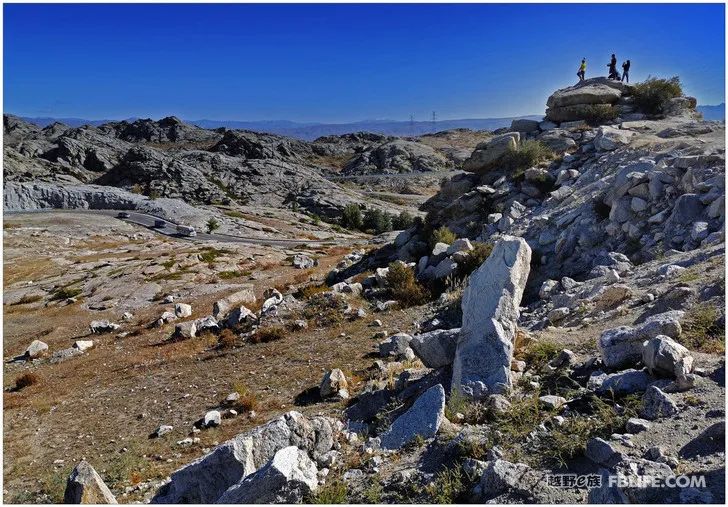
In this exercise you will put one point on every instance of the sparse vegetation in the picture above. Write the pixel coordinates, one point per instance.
(333, 492)
(651, 95)
(248, 401)
(451, 485)
(404, 287)
(538, 353)
(528, 154)
(268, 334)
(66, 292)
(227, 275)
(227, 339)
(703, 329)
(28, 298)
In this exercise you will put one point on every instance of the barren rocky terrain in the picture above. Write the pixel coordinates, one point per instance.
(545, 323)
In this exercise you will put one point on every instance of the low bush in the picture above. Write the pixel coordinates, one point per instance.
(268, 334)
(248, 401)
(477, 256)
(528, 154)
(26, 380)
(65, 293)
(598, 114)
(442, 235)
(651, 95)
(227, 339)
(538, 353)
(403, 221)
(377, 221)
(404, 287)
(333, 492)
(451, 485)
(351, 217)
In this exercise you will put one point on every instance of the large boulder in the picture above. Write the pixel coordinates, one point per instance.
(207, 478)
(488, 153)
(36, 349)
(610, 138)
(85, 486)
(582, 100)
(436, 348)
(623, 345)
(287, 478)
(490, 308)
(664, 356)
(223, 306)
(423, 419)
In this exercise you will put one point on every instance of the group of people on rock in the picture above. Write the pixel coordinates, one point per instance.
(613, 74)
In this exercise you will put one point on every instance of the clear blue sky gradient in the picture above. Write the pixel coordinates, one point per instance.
(336, 63)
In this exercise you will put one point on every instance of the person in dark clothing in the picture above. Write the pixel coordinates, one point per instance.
(582, 70)
(613, 67)
(625, 70)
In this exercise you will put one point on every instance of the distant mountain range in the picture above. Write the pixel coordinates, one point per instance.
(310, 131)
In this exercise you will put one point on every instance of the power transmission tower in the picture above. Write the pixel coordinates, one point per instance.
(434, 120)
(412, 124)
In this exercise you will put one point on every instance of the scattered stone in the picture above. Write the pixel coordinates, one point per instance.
(36, 349)
(333, 384)
(636, 425)
(242, 297)
(602, 453)
(664, 356)
(162, 430)
(83, 345)
(551, 402)
(395, 346)
(301, 261)
(657, 404)
(212, 418)
(182, 310)
(103, 326)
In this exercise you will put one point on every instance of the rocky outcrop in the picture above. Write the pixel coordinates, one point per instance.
(490, 310)
(208, 478)
(489, 153)
(287, 478)
(586, 98)
(85, 486)
(397, 156)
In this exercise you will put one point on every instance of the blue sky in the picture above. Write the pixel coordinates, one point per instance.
(336, 63)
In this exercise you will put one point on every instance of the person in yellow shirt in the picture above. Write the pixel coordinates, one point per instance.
(582, 70)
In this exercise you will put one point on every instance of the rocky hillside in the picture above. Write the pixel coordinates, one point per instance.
(551, 332)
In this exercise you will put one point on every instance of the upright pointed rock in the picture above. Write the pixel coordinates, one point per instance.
(490, 312)
(85, 486)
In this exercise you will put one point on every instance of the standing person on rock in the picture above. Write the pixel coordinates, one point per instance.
(582, 70)
(625, 70)
(613, 67)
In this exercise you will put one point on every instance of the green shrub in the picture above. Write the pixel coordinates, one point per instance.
(65, 293)
(538, 353)
(351, 217)
(451, 485)
(651, 95)
(378, 221)
(404, 287)
(476, 257)
(212, 225)
(333, 492)
(528, 154)
(442, 235)
(403, 221)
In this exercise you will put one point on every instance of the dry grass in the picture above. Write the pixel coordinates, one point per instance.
(268, 334)
(703, 329)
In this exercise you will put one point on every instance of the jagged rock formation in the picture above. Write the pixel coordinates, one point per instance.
(177, 161)
(397, 156)
(85, 486)
(587, 98)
